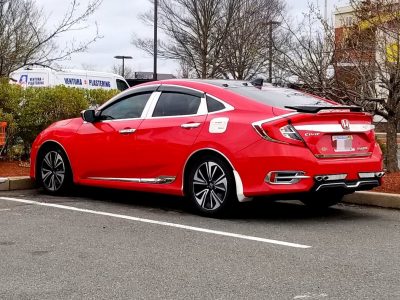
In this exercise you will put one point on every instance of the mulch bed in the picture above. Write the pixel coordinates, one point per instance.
(391, 182)
(14, 168)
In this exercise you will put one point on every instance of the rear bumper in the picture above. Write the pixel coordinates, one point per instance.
(347, 187)
(256, 163)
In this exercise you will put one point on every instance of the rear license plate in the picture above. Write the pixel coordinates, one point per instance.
(342, 143)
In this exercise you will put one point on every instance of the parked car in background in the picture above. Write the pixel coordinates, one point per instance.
(46, 77)
(218, 142)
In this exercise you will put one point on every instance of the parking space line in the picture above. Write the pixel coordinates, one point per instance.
(162, 223)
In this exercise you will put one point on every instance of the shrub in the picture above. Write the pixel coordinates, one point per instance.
(29, 111)
(98, 97)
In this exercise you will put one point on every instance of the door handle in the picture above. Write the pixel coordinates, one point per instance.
(190, 125)
(127, 131)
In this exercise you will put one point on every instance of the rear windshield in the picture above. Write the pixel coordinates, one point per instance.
(279, 97)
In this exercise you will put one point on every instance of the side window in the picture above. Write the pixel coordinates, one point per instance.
(214, 105)
(121, 85)
(176, 104)
(128, 108)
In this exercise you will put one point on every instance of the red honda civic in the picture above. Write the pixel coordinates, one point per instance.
(218, 142)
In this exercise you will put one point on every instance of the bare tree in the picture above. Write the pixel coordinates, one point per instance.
(306, 53)
(374, 54)
(25, 38)
(128, 71)
(245, 52)
(365, 59)
(196, 31)
(185, 70)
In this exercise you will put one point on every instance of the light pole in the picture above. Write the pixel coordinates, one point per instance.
(270, 24)
(155, 40)
(123, 57)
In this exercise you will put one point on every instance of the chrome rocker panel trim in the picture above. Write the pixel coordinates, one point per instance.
(158, 180)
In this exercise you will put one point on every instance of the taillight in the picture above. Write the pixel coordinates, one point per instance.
(289, 132)
(279, 131)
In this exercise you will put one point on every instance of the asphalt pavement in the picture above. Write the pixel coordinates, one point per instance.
(104, 244)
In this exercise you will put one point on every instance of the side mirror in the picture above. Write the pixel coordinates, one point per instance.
(89, 115)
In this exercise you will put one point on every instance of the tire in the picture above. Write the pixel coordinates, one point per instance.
(54, 171)
(322, 200)
(211, 187)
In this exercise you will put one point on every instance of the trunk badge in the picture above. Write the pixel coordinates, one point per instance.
(345, 124)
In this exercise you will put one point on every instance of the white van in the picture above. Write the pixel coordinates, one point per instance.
(46, 77)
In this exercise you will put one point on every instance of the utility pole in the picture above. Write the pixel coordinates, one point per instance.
(270, 42)
(155, 39)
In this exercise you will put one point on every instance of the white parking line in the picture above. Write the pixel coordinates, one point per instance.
(175, 225)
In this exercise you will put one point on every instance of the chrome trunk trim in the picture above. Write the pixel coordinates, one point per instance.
(336, 128)
(366, 154)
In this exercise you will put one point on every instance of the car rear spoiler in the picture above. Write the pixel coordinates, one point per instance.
(315, 108)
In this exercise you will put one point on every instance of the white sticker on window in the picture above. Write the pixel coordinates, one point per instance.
(218, 125)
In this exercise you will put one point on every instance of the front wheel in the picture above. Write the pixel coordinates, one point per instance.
(54, 173)
(322, 200)
(211, 186)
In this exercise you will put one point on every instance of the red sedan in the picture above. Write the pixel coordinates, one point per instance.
(218, 142)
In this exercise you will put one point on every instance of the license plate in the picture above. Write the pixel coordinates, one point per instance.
(342, 143)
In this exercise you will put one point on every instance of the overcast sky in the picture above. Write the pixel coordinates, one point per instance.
(118, 21)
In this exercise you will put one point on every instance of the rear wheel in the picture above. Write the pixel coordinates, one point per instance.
(54, 172)
(211, 186)
(322, 200)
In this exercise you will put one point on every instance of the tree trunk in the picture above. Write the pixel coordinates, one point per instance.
(391, 145)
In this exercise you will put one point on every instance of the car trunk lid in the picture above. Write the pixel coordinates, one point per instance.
(336, 133)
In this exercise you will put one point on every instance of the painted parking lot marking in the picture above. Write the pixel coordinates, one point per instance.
(161, 223)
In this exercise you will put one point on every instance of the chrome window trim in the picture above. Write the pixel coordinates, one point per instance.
(202, 107)
(126, 93)
(182, 87)
(144, 112)
(259, 123)
(201, 111)
(228, 107)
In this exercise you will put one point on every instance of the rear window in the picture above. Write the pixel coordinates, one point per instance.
(279, 97)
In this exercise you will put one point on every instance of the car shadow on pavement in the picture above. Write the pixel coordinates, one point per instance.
(259, 209)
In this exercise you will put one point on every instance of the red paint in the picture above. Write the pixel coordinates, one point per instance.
(161, 147)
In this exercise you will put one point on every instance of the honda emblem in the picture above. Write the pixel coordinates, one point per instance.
(345, 124)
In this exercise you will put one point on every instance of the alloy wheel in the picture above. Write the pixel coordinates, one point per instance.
(53, 171)
(210, 185)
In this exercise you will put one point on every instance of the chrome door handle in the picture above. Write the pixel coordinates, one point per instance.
(190, 125)
(127, 131)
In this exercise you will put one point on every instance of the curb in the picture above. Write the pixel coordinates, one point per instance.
(16, 183)
(384, 200)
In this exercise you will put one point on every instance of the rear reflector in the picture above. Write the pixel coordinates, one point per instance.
(371, 174)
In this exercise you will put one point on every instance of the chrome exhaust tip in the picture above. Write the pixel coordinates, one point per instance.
(330, 177)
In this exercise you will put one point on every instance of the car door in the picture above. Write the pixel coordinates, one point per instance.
(164, 138)
(108, 146)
